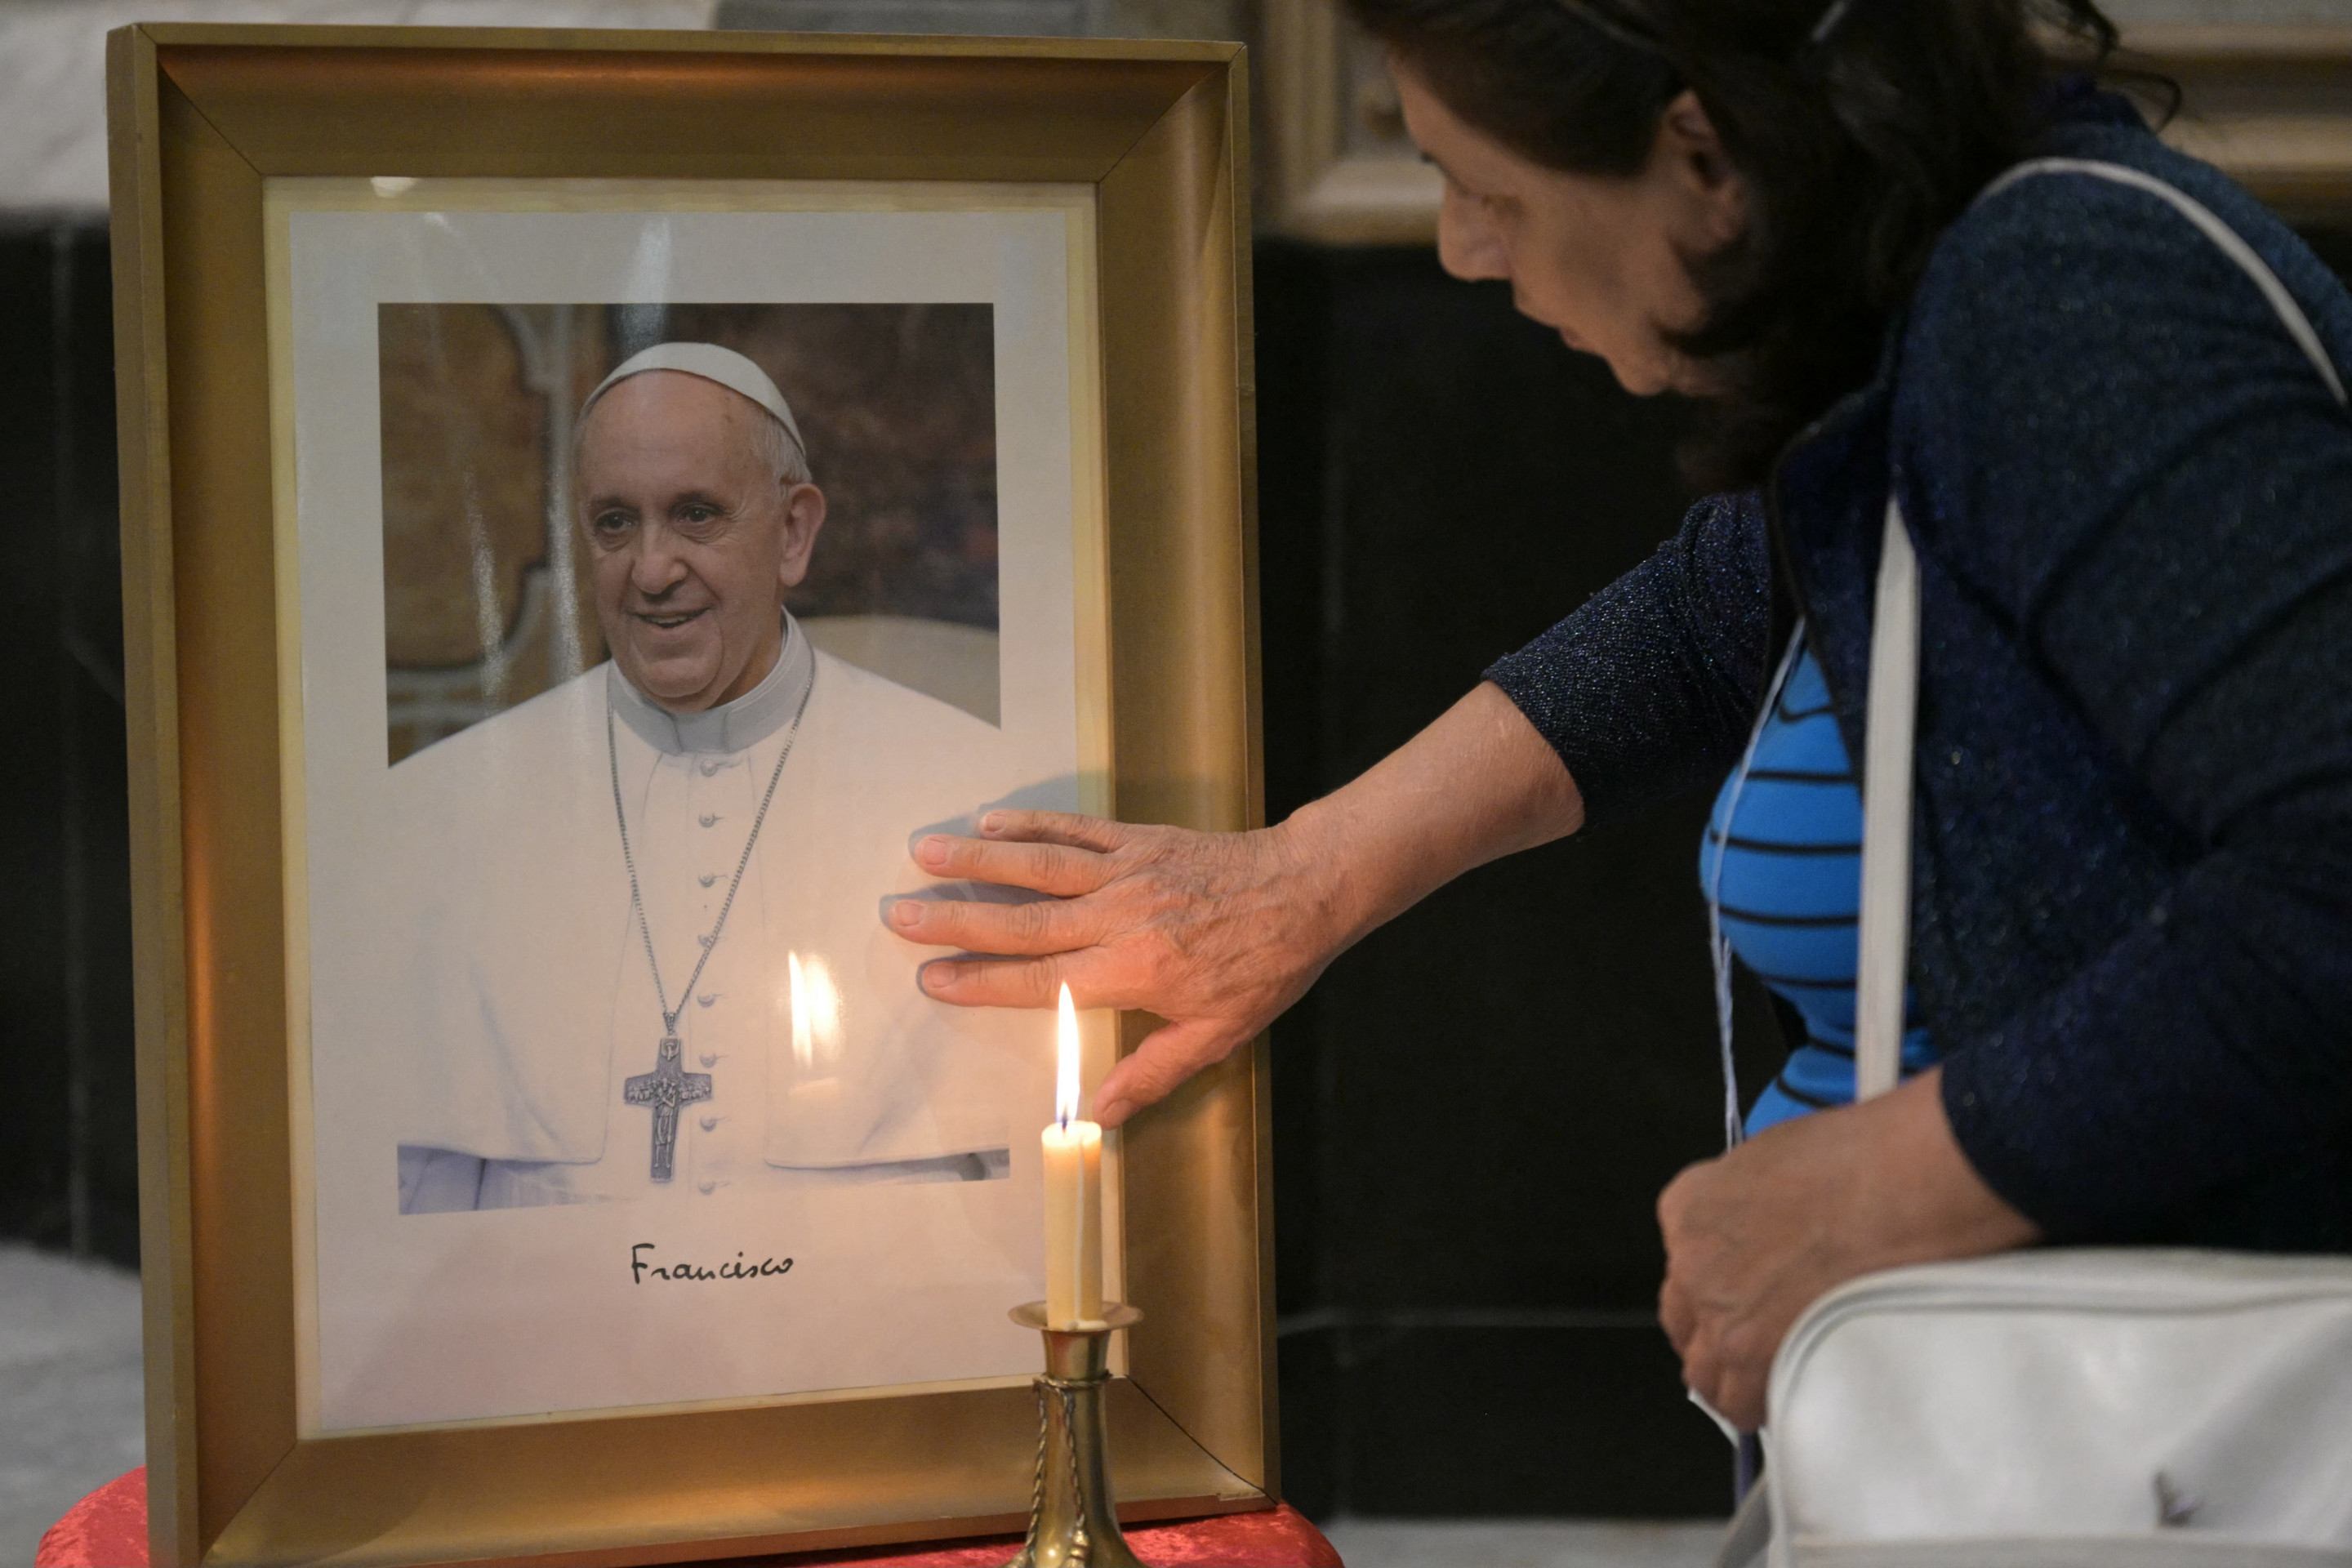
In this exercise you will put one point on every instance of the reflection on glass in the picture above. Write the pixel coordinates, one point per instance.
(817, 1018)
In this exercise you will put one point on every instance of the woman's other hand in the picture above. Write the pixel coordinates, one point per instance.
(1217, 932)
(1757, 1235)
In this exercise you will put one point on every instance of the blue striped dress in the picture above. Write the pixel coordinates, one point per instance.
(1791, 892)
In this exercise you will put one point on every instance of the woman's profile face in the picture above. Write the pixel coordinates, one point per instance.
(1598, 259)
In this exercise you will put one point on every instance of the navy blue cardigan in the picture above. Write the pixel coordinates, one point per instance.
(2132, 497)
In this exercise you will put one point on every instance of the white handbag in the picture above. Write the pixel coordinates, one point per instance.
(2084, 1407)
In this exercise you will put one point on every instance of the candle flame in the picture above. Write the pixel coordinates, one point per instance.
(1065, 1081)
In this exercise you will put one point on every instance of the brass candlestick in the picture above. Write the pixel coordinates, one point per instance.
(1073, 1518)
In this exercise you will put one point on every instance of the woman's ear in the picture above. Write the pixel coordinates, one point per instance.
(1690, 153)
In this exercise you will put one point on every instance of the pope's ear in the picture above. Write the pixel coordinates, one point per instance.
(804, 518)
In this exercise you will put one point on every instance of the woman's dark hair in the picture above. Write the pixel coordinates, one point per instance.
(1861, 127)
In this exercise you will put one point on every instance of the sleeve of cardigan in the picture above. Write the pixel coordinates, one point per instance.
(1648, 689)
(2163, 505)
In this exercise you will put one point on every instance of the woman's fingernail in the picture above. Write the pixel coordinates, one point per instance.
(906, 913)
(992, 823)
(932, 851)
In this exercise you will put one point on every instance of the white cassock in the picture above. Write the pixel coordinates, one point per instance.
(521, 986)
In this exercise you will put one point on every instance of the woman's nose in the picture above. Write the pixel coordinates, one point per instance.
(1467, 244)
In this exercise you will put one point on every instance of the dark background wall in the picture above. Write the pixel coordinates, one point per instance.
(68, 1175)
(1474, 1111)
(1475, 1108)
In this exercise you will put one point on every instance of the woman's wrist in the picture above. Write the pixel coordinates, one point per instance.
(1479, 783)
(1915, 1197)
(1335, 875)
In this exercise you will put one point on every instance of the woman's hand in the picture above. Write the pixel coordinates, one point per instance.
(1757, 1235)
(1217, 932)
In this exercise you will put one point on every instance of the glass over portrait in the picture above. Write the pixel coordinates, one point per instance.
(661, 574)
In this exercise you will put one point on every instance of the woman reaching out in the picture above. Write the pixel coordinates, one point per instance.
(2130, 492)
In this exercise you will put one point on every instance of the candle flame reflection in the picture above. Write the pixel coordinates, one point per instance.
(1065, 1081)
(816, 1013)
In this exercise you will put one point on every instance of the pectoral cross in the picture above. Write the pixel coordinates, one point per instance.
(667, 1088)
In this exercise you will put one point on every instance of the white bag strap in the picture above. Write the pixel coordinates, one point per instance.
(1891, 715)
(1893, 704)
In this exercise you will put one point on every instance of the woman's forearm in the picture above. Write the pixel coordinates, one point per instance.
(1478, 784)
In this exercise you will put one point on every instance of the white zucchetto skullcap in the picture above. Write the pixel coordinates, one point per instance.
(711, 362)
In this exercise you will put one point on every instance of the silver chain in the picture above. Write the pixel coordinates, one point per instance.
(636, 900)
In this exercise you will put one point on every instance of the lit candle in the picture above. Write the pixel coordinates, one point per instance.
(1073, 1194)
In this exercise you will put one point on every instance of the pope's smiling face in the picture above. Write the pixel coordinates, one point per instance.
(694, 536)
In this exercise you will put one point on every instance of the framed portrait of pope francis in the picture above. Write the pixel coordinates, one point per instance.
(673, 666)
(772, 763)
(580, 543)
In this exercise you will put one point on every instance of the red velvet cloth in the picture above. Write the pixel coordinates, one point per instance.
(108, 1528)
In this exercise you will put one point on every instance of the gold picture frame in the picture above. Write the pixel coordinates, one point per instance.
(203, 117)
(2267, 103)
